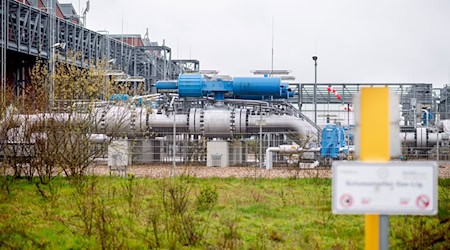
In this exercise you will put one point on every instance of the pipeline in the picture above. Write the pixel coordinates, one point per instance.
(423, 137)
(268, 162)
(212, 122)
(225, 123)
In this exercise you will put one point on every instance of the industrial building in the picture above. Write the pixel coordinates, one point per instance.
(30, 30)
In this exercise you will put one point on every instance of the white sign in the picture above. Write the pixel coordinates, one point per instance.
(404, 188)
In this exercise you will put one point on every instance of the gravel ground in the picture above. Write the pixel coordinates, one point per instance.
(161, 171)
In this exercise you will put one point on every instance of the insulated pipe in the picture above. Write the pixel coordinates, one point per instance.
(292, 149)
(221, 122)
(129, 120)
(18, 135)
(45, 117)
(280, 123)
(446, 125)
(409, 137)
(254, 102)
(426, 117)
(281, 148)
(98, 138)
(433, 138)
(110, 120)
(422, 138)
(212, 122)
(160, 122)
(224, 123)
(284, 149)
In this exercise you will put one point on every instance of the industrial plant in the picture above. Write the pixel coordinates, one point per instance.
(173, 112)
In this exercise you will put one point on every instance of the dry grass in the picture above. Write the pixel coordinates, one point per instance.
(164, 170)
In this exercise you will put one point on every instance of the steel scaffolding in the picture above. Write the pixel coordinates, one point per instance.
(411, 95)
(28, 30)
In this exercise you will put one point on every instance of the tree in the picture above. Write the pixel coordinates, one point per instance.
(57, 137)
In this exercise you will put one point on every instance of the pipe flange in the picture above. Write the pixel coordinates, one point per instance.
(246, 119)
(148, 128)
(202, 121)
(187, 118)
(232, 122)
(133, 119)
(102, 122)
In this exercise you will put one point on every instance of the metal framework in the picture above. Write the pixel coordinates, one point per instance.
(28, 30)
(3, 30)
(410, 95)
(444, 102)
(187, 65)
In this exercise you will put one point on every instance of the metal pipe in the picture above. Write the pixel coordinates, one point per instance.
(315, 88)
(211, 122)
(248, 102)
(437, 148)
(284, 149)
(145, 96)
(174, 169)
(422, 139)
(281, 123)
(426, 117)
(172, 101)
(260, 137)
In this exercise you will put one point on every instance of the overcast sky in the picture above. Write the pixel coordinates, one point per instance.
(355, 40)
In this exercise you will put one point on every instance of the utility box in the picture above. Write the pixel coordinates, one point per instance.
(119, 153)
(143, 151)
(217, 154)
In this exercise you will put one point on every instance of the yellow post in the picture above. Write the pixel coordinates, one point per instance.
(374, 145)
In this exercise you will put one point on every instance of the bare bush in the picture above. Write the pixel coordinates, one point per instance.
(48, 134)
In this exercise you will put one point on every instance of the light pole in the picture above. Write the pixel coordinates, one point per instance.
(51, 55)
(260, 137)
(315, 88)
(53, 45)
(174, 146)
(436, 123)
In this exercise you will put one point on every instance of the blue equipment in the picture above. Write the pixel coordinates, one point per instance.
(426, 120)
(119, 97)
(196, 85)
(166, 85)
(138, 101)
(333, 141)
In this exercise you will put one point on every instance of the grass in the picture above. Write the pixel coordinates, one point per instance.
(187, 212)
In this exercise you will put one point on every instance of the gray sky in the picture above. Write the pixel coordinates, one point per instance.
(355, 40)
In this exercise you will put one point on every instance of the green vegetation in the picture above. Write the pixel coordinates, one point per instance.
(186, 212)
